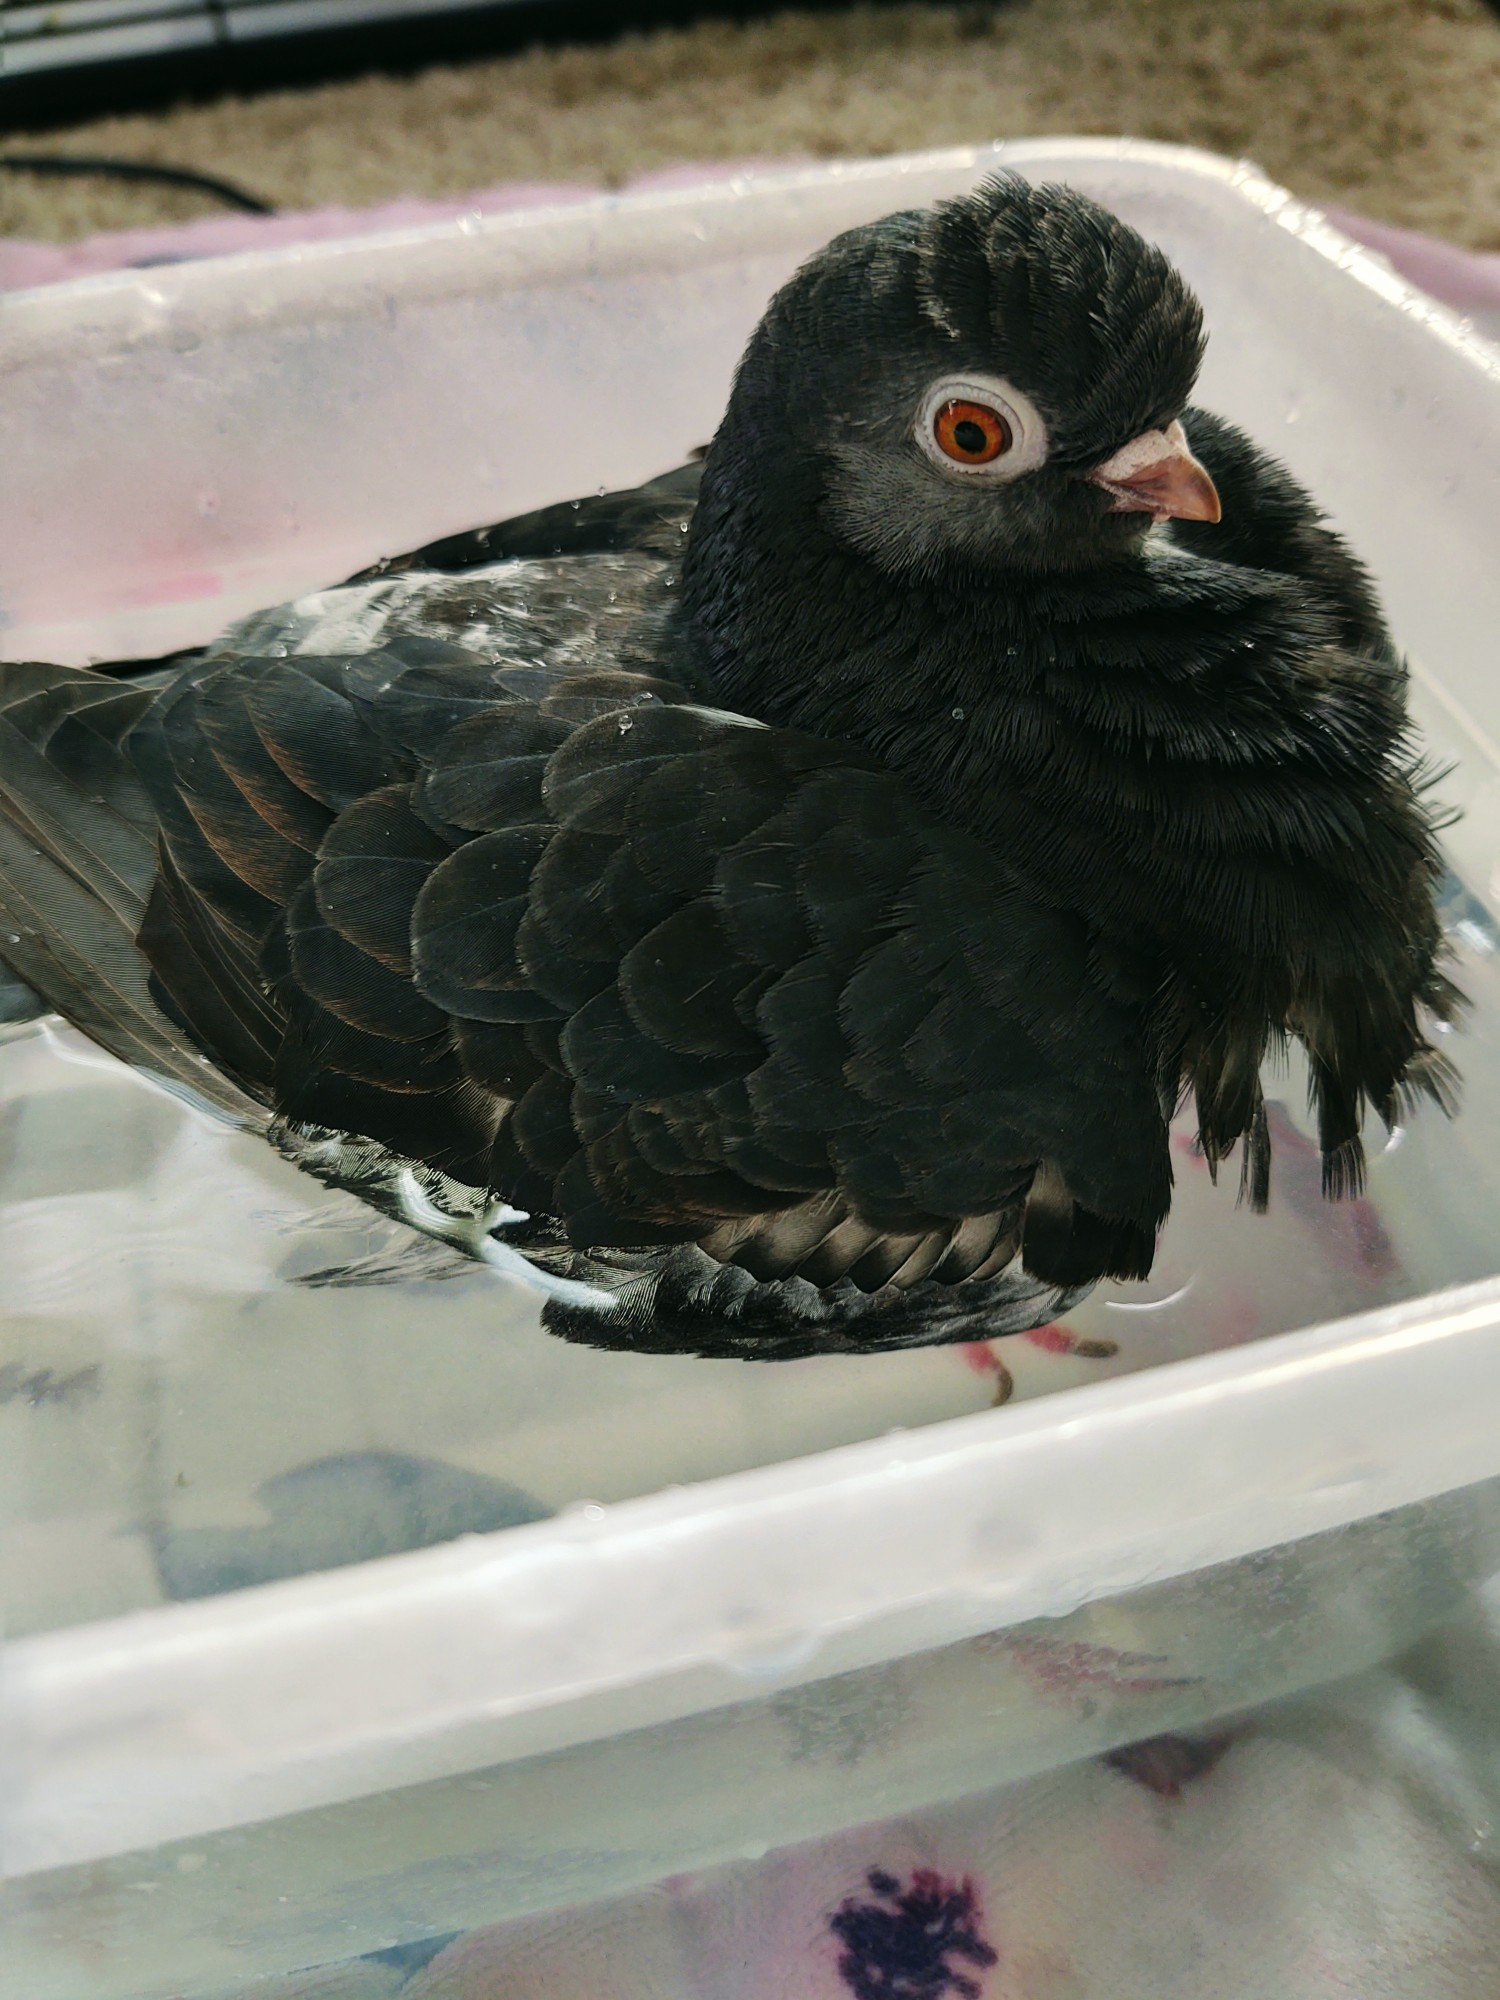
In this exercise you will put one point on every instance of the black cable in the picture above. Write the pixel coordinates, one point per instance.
(137, 170)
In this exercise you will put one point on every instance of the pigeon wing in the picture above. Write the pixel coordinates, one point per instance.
(649, 968)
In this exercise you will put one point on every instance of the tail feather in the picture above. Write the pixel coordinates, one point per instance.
(77, 830)
(77, 863)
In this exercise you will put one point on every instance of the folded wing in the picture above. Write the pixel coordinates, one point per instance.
(562, 934)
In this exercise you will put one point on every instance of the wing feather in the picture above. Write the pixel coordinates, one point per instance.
(564, 935)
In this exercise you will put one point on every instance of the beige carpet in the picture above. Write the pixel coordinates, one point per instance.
(1389, 106)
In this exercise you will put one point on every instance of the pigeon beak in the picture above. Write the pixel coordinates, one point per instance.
(1156, 474)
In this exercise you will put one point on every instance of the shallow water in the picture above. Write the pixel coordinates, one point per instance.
(185, 1406)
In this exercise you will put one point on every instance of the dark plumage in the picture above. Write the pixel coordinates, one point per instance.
(806, 894)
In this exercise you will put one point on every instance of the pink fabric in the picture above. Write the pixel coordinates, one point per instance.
(1467, 280)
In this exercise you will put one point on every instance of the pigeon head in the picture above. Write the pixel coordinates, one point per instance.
(993, 384)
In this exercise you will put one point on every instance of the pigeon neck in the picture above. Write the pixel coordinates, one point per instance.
(791, 627)
(1055, 719)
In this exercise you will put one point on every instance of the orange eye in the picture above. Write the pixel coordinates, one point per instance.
(971, 433)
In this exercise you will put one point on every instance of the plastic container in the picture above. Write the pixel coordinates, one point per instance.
(753, 1609)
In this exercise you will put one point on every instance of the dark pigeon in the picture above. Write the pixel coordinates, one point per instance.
(786, 903)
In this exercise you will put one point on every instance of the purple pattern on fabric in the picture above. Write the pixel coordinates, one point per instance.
(898, 1947)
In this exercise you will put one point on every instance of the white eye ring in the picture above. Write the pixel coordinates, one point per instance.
(1020, 422)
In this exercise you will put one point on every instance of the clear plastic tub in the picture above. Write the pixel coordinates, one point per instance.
(680, 1590)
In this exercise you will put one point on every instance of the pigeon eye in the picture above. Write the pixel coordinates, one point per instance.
(971, 433)
(979, 426)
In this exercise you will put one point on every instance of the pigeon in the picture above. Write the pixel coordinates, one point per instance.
(782, 906)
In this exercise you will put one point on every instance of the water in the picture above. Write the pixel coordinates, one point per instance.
(186, 1402)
